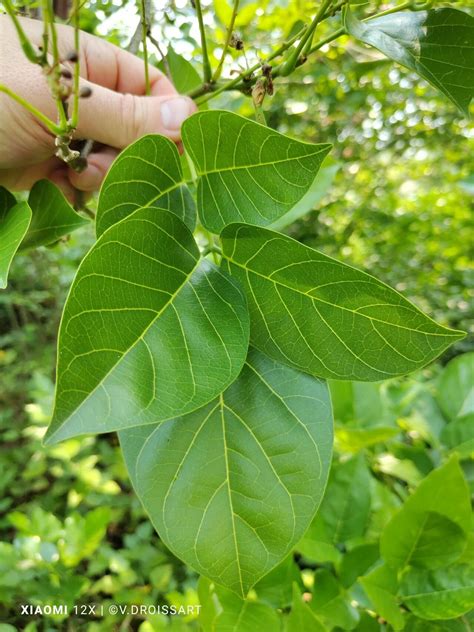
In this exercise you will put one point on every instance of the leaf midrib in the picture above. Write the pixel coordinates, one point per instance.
(140, 337)
(334, 305)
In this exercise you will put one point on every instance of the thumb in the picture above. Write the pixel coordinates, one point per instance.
(117, 119)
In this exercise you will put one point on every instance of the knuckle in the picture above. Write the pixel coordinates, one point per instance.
(132, 117)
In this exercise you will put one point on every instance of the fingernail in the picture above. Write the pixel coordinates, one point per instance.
(174, 112)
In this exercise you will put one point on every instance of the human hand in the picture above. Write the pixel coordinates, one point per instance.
(116, 113)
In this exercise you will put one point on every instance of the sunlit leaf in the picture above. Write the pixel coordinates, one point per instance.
(437, 44)
(150, 330)
(247, 172)
(324, 317)
(232, 487)
(147, 173)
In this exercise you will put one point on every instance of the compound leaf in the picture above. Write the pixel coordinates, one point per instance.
(149, 331)
(146, 174)
(444, 593)
(14, 221)
(436, 44)
(324, 317)
(247, 172)
(232, 487)
(53, 216)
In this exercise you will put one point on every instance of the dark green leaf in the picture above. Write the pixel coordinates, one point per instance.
(356, 562)
(381, 587)
(330, 602)
(301, 617)
(14, 221)
(324, 317)
(247, 172)
(455, 392)
(53, 216)
(147, 173)
(150, 330)
(436, 44)
(231, 487)
(430, 529)
(444, 593)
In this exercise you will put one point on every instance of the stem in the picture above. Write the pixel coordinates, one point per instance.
(230, 30)
(25, 43)
(144, 22)
(164, 59)
(50, 125)
(206, 65)
(48, 18)
(290, 64)
(75, 104)
(244, 75)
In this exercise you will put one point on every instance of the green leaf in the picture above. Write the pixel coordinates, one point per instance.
(231, 487)
(150, 330)
(381, 587)
(324, 317)
(356, 439)
(53, 216)
(247, 172)
(318, 189)
(301, 617)
(330, 603)
(458, 436)
(244, 615)
(14, 221)
(356, 562)
(147, 173)
(455, 392)
(444, 593)
(436, 44)
(346, 505)
(276, 587)
(430, 529)
(183, 74)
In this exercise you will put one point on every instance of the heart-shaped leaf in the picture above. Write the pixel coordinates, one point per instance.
(149, 331)
(247, 171)
(147, 173)
(232, 487)
(436, 44)
(324, 317)
(53, 216)
(14, 221)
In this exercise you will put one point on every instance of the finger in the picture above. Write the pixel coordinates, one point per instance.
(98, 164)
(113, 68)
(60, 178)
(117, 119)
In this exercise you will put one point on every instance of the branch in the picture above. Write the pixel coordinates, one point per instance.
(25, 43)
(230, 30)
(145, 28)
(50, 125)
(206, 65)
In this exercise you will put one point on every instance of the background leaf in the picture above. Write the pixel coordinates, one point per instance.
(14, 221)
(247, 171)
(437, 44)
(443, 593)
(53, 216)
(455, 392)
(426, 530)
(324, 317)
(147, 173)
(149, 330)
(231, 487)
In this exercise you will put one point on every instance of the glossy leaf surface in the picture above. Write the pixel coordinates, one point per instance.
(324, 317)
(14, 221)
(231, 487)
(247, 172)
(436, 44)
(147, 173)
(150, 330)
(53, 216)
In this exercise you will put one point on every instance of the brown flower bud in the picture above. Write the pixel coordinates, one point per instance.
(66, 73)
(259, 91)
(236, 41)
